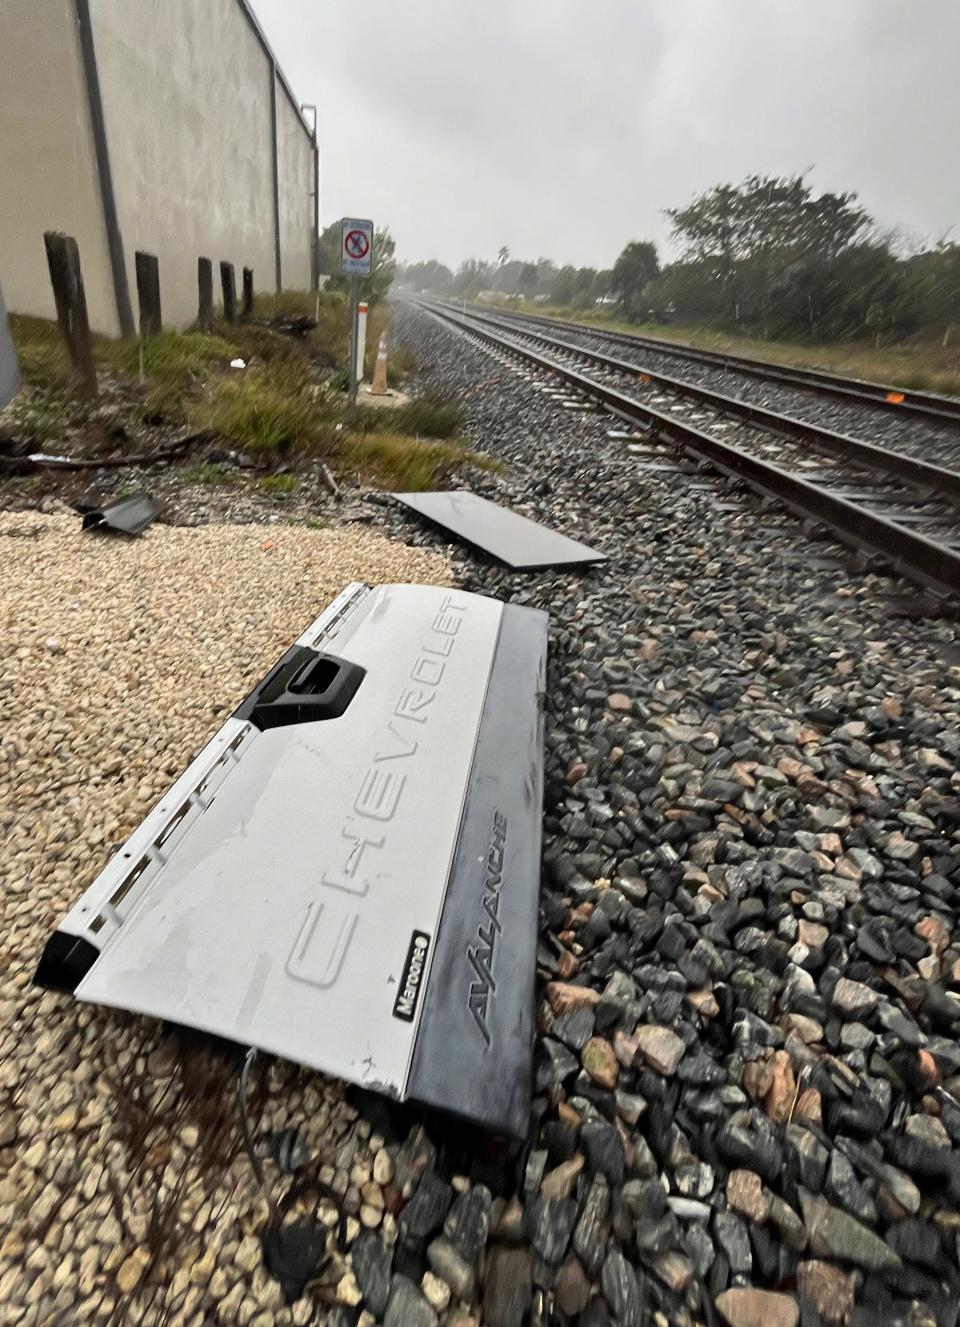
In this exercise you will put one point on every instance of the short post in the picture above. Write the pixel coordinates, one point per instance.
(352, 351)
(205, 293)
(63, 259)
(247, 309)
(361, 338)
(228, 283)
(148, 293)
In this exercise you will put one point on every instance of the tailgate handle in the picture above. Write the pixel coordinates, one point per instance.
(304, 686)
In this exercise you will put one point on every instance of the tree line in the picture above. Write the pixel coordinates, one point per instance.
(765, 257)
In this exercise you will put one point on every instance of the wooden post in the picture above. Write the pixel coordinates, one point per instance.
(247, 309)
(148, 293)
(205, 289)
(63, 259)
(228, 283)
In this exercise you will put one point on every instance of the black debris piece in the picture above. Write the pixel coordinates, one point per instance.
(128, 516)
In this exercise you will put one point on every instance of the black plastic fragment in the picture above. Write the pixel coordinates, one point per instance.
(128, 516)
(65, 961)
(294, 1254)
(288, 1150)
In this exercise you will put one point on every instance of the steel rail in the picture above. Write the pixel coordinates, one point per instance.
(932, 406)
(938, 479)
(910, 553)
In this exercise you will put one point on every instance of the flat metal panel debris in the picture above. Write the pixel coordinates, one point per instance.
(129, 516)
(9, 370)
(347, 875)
(519, 542)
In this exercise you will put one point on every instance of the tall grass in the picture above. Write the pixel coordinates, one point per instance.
(398, 461)
(276, 408)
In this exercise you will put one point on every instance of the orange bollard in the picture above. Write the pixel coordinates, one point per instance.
(379, 387)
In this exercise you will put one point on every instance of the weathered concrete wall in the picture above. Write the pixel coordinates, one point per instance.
(187, 108)
(295, 157)
(186, 92)
(49, 171)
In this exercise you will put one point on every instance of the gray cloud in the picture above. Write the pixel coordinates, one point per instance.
(564, 127)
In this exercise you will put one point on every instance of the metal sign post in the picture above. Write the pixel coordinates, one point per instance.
(356, 260)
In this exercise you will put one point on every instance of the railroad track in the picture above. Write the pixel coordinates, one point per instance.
(931, 407)
(897, 506)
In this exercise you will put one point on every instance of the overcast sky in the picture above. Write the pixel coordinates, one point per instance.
(563, 127)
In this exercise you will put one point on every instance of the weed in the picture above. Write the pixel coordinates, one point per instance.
(172, 360)
(43, 360)
(399, 461)
(260, 345)
(431, 416)
(313, 523)
(278, 486)
(263, 411)
(204, 473)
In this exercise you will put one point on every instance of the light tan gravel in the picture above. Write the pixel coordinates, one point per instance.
(124, 1197)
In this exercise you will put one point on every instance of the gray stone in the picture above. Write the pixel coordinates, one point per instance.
(731, 1234)
(853, 997)
(552, 1225)
(575, 1028)
(425, 1211)
(835, 1234)
(468, 1222)
(604, 1149)
(450, 1265)
(620, 1289)
(372, 1262)
(591, 1231)
(406, 1307)
(630, 1107)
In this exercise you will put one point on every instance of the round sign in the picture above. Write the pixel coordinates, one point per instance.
(356, 244)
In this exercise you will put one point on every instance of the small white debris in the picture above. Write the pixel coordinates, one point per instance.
(238, 363)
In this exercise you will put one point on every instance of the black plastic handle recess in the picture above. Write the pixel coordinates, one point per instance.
(303, 686)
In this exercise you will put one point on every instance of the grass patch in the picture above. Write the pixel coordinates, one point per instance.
(398, 461)
(279, 409)
(431, 416)
(43, 360)
(275, 408)
(206, 474)
(278, 486)
(177, 360)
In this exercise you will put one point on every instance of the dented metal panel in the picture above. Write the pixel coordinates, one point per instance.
(299, 883)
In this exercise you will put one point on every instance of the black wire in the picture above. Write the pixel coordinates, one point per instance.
(248, 1060)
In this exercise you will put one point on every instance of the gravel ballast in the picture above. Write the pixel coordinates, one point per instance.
(124, 1196)
(747, 1076)
(747, 1073)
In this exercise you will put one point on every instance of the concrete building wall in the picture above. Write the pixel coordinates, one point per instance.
(49, 173)
(186, 95)
(187, 108)
(295, 156)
